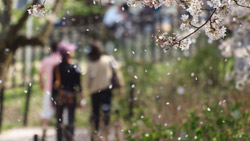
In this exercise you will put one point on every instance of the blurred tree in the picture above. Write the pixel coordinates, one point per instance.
(81, 12)
(11, 37)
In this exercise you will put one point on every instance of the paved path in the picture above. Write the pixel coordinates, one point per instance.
(27, 134)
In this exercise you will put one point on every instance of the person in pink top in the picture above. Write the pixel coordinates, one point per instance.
(46, 76)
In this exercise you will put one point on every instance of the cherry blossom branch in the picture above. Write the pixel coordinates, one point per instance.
(236, 2)
(21, 21)
(42, 38)
(193, 25)
(198, 28)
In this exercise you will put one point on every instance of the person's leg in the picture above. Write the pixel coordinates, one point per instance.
(47, 113)
(70, 126)
(59, 112)
(106, 106)
(45, 123)
(95, 110)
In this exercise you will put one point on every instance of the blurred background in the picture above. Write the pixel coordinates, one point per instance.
(174, 94)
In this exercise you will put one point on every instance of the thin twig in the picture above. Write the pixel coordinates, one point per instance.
(193, 25)
(207, 9)
(236, 2)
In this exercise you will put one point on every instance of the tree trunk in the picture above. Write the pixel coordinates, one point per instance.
(5, 61)
(10, 40)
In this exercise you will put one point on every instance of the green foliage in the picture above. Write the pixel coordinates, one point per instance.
(80, 8)
(217, 123)
(148, 74)
(151, 132)
(207, 67)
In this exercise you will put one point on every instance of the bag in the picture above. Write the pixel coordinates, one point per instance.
(115, 82)
(63, 97)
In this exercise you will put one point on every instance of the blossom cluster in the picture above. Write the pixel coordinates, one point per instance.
(194, 8)
(214, 31)
(38, 10)
(150, 3)
(186, 22)
(166, 40)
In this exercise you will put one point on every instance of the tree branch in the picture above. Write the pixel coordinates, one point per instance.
(22, 41)
(6, 15)
(22, 20)
(193, 25)
(50, 22)
(198, 28)
(40, 39)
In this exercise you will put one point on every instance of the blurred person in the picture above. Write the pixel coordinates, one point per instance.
(116, 25)
(66, 89)
(100, 75)
(45, 79)
(114, 15)
(146, 20)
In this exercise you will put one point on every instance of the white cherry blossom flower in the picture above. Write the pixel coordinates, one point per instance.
(185, 25)
(185, 44)
(135, 3)
(216, 32)
(195, 10)
(184, 17)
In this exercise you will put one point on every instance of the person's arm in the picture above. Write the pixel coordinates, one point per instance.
(121, 80)
(41, 73)
(54, 90)
(117, 67)
(41, 82)
(88, 76)
(79, 89)
(78, 79)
